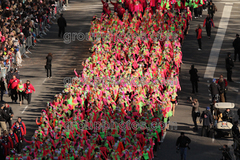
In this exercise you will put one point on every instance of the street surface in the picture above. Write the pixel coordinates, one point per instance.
(66, 57)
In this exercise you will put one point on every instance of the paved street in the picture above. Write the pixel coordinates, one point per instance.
(66, 57)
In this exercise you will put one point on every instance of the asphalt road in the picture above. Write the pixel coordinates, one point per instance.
(69, 56)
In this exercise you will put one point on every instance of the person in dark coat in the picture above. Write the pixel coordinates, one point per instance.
(183, 144)
(49, 65)
(221, 84)
(16, 73)
(235, 130)
(211, 9)
(2, 150)
(195, 111)
(8, 110)
(227, 115)
(235, 133)
(206, 117)
(194, 78)
(219, 81)
(9, 75)
(3, 89)
(214, 89)
(236, 45)
(229, 67)
(208, 22)
(61, 24)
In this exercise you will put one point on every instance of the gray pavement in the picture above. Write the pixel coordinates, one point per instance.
(69, 56)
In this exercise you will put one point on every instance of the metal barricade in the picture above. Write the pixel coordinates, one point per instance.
(29, 43)
(23, 50)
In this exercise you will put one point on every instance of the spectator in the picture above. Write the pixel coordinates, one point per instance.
(208, 22)
(206, 117)
(229, 67)
(224, 85)
(236, 45)
(61, 24)
(18, 58)
(182, 144)
(16, 73)
(214, 90)
(20, 91)
(8, 110)
(49, 65)
(3, 89)
(211, 9)
(199, 37)
(28, 90)
(9, 75)
(3, 116)
(194, 78)
(12, 86)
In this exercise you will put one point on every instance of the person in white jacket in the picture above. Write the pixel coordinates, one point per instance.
(18, 57)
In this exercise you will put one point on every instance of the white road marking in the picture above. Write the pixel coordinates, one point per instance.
(216, 47)
(233, 89)
(64, 53)
(25, 109)
(44, 80)
(164, 135)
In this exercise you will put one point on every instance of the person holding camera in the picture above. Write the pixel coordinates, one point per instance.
(182, 144)
(195, 112)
